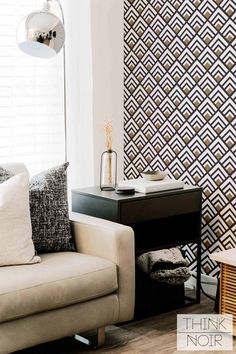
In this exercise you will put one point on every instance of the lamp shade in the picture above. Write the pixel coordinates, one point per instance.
(41, 34)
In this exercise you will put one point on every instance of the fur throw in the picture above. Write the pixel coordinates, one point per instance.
(166, 265)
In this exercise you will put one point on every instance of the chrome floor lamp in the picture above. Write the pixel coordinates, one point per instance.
(42, 34)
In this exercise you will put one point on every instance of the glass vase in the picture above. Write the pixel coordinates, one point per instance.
(108, 170)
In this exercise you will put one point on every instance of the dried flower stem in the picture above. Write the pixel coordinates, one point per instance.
(108, 137)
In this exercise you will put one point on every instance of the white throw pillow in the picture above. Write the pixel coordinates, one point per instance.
(16, 245)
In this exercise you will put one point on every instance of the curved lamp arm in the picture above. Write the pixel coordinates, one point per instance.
(60, 6)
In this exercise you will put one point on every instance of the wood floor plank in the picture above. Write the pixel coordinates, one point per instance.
(155, 335)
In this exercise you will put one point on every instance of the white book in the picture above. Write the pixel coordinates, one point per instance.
(144, 186)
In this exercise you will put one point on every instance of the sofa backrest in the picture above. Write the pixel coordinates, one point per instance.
(14, 167)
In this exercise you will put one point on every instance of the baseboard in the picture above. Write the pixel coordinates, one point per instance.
(209, 284)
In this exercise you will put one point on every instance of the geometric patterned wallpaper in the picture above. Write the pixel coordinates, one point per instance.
(180, 104)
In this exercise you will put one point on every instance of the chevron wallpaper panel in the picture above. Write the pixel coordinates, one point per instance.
(180, 104)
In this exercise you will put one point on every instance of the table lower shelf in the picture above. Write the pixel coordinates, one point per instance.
(153, 297)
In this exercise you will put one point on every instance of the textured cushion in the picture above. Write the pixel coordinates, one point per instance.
(16, 245)
(15, 167)
(61, 279)
(49, 211)
(5, 174)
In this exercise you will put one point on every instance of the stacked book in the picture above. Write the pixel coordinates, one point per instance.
(144, 186)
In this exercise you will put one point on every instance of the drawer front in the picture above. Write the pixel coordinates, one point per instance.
(160, 207)
(100, 208)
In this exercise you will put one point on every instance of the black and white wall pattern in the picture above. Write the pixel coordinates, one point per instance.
(180, 104)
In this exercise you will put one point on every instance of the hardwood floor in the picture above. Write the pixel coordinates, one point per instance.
(155, 335)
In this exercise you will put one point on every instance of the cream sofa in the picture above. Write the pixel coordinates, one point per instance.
(69, 292)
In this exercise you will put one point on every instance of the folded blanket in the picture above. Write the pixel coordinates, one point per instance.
(166, 265)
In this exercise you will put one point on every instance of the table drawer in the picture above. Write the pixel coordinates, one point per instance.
(105, 209)
(155, 208)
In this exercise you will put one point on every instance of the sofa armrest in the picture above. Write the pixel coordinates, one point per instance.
(114, 242)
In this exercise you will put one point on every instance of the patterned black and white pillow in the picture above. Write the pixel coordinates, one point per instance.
(49, 211)
(5, 174)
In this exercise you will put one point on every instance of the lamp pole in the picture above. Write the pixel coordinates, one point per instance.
(64, 77)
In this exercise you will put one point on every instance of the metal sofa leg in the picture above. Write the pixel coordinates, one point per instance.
(96, 342)
(101, 336)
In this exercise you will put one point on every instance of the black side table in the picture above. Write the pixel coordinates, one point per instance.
(159, 220)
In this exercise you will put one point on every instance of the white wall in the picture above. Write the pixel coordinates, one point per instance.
(79, 92)
(107, 57)
(94, 47)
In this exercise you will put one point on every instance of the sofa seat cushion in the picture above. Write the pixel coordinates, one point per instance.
(61, 279)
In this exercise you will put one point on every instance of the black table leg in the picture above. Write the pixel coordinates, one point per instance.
(198, 283)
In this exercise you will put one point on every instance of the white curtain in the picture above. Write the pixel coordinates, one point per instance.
(31, 97)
